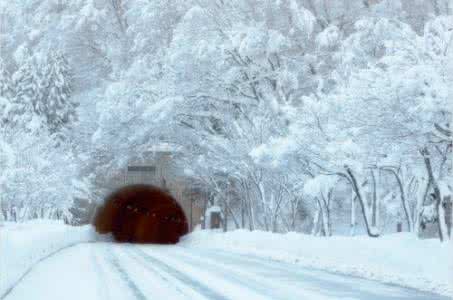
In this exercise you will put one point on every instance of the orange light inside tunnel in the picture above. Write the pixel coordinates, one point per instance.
(141, 214)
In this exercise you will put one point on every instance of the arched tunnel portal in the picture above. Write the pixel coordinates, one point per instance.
(141, 214)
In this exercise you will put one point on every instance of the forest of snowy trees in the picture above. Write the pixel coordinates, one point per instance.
(327, 117)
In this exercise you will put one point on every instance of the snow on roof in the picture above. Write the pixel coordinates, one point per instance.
(165, 147)
(213, 208)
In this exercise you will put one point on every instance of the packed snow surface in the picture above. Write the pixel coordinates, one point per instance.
(23, 245)
(95, 271)
(40, 260)
(400, 259)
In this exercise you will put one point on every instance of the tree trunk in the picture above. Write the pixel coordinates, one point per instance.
(421, 197)
(374, 200)
(326, 215)
(451, 217)
(442, 226)
(294, 207)
(378, 198)
(242, 213)
(370, 231)
(276, 213)
(2, 216)
(225, 220)
(403, 199)
(236, 223)
(285, 222)
(353, 218)
(251, 216)
(314, 230)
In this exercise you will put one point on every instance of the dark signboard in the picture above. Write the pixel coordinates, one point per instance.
(141, 169)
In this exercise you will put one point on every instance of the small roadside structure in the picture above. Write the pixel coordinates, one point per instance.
(213, 217)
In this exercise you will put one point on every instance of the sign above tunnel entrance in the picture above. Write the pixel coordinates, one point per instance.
(145, 174)
(141, 169)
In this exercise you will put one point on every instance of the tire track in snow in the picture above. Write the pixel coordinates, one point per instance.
(32, 267)
(264, 288)
(139, 260)
(265, 265)
(102, 290)
(211, 260)
(185, 279)
(336, 283)
(114, 262)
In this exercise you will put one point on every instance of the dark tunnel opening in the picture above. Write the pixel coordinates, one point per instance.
(141, 214)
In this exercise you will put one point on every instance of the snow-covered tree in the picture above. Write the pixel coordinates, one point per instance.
(26, 84)
(327, 117)
(6, 85)
(387, 108)
(6, 93)
(55, 102)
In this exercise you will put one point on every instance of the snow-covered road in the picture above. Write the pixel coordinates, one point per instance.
(121, 271)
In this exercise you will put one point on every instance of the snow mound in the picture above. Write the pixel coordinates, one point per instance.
(22, 245)
(400, 259)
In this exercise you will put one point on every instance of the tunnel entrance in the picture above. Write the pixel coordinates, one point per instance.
(141, 214)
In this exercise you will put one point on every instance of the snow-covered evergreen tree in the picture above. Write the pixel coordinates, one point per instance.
(6, 86)
(26, 84)
(56, 104)
(6, 93)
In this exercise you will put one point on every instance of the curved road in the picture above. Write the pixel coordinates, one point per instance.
(114, 271)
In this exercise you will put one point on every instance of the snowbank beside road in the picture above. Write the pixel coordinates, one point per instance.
(22, 245)
(397, 258)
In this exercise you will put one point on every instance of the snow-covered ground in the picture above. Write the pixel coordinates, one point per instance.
(262, 264)
(396, 258)
(22, 245)
(97, 271)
